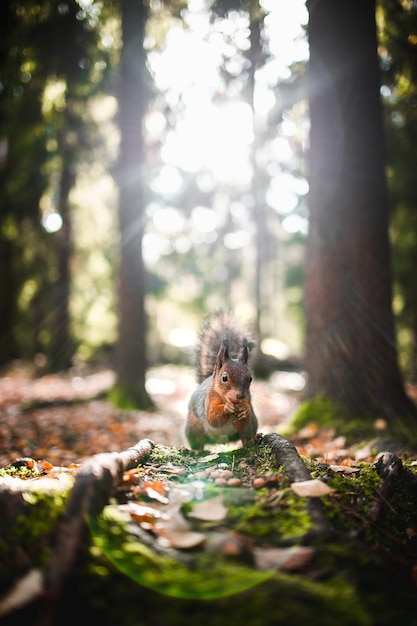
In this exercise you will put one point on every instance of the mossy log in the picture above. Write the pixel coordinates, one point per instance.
(107, 546)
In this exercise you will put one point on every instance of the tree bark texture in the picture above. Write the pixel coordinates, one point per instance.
(131, 352)
(351, 351)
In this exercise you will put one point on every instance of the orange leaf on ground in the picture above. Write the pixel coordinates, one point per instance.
(142, 513)
(155, 491)
(44, 466)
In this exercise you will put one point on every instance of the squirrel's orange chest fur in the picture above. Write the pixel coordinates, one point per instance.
(220, 411)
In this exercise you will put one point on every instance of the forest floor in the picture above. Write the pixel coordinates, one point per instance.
(65, 418)
(333, 535)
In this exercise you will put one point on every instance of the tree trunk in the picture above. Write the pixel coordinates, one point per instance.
(62, 348)
(131, 349)
(350, 353)
(8, 296)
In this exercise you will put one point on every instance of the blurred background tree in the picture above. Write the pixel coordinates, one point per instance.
(398, 53)
(51, 67)
(131, 361)
(23, 150)
(351, 354)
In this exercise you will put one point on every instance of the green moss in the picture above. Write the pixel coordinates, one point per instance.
(208, 575)
(27, 538)
(21, 470)
(165, 454)
(231, 592)
(281, 599)
(327, 413)
(281, 519)
(258, 458)
(319, 410)
(130, 398)
(355, 494)
(352, 509)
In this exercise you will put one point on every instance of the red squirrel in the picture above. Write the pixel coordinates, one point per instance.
(220, 409)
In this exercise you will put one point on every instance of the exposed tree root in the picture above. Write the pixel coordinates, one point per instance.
(95, 482)
(286, 454)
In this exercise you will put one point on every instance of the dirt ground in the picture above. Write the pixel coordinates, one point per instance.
(65, 418)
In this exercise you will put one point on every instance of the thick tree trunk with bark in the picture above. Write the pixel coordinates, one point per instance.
(351, 352)
(131, 349)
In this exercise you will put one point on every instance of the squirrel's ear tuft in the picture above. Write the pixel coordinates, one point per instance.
(223, 354)
(225, 347)
(243, 357)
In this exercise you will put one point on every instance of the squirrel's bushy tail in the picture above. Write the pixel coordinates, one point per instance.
(214, 329)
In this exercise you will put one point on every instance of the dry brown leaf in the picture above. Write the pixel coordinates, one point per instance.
(308, 431)
(345, 469)
(175, 531)
(44, 466)
(142, 513)
(364, 453)
(131, 476)
(211, 510)
(155, 491)
(288, 559)
(182, 539)
(314, 488)
(170, 468)
(209, 457)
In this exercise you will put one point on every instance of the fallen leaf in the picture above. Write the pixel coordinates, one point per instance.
(363, 453)
(142, 513)
(209, 457)
(183, 539)
(308, 431)
(211, 510)
(288, 559)
(348, 462)
(314, 488)
(175, 531)
(170, 468)
(131, 476)
(345, 469)
(44, 466)
(155, 491)
(182, 493)
(24, 591)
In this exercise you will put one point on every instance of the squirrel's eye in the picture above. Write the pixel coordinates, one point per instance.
(225, 377)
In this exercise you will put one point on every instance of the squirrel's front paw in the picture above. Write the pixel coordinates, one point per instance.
(242, 413)
(230, 408)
